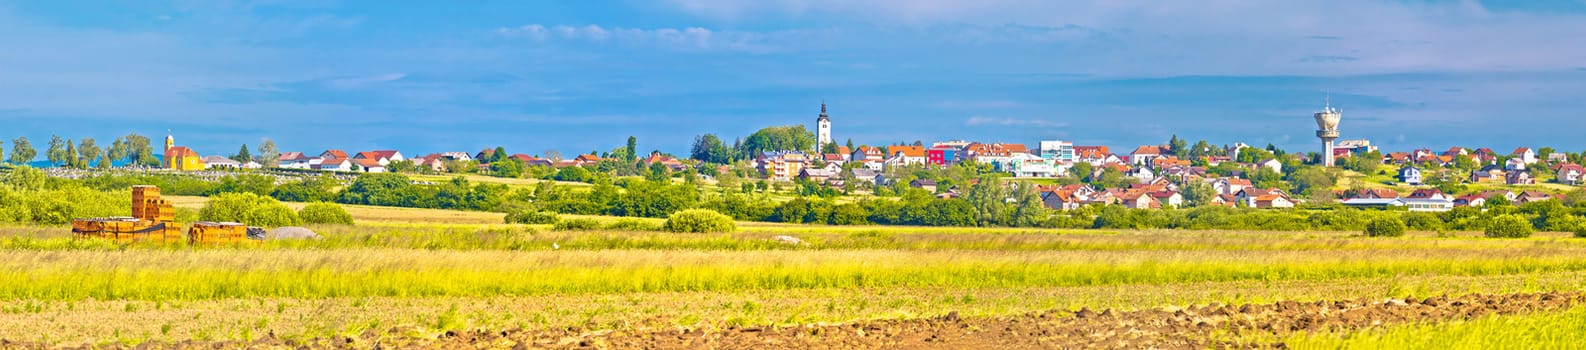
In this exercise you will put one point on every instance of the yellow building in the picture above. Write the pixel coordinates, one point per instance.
(181, 158)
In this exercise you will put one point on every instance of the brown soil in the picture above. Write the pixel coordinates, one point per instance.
(1192, 327)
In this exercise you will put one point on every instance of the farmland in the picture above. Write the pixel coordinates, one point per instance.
(412, 276)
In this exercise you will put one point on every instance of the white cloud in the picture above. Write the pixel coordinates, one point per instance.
(982, 120)
(1153, 38)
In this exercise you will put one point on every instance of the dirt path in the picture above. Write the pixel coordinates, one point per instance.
(1159, 328)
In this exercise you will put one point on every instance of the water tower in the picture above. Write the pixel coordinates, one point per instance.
(1327, 130)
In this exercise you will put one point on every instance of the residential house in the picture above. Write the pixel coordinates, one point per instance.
(943, 155)
(218, 162)
(905, 155)
(1525, 154)
(818, 175)
(1570, 174)
(1060, 200)
(1428, 193)
(1557, 157)
(1490, 173)
(1396, 158)
(1168, 199)
(1510, 196)
(925, 184)
(334, 153)
(434, 162)
(368, 165)
(1411, 175)
(1514, 164)
(1519, 177)
(1058, 151)
(457, 156)
(294, 160)
(1095, 155)
(384, 157)
(869, 175)
(1144, 155)
(1141, 172)
(485, 155)
(1271, 164)
(1415, 205)
(1531, 196)
(781, 165)
(1473, 200)
(334, 164)
(1182, 173)
(672, 163)
(1379, 193)
(1229, 185)
(865, 153)
(836, 158)
(1254, 198)
(1225, 200)
(1139, 200)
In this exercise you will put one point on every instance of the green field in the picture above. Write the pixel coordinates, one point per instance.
(428, 271)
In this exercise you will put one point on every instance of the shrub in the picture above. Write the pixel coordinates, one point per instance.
(1580, 230)
(699, 220)
(576, 224)
(1385, 227)
(632, 225)
(324, 213)
(271, 215)
(248, 208)
(531, 217)
(1509, 226)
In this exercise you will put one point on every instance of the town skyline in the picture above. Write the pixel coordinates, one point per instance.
(581, 77)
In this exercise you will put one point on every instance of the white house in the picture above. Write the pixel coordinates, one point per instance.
(1570, 174)
(366, 165)
(1273, 164)
(333, 164)
(218, 162)
(1410, 175)
(295, 160)
(1525, 154)
(1143, 173)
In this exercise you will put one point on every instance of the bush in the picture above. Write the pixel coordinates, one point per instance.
(632, 225)
(248, 208)
(576, 224)
(1580, 230)
(531, 217)
(1386, 227)
(699, 220)
(324, 213)
(1509, 226)
(271, 215)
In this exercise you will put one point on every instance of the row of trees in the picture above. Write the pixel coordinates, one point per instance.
(134, 149)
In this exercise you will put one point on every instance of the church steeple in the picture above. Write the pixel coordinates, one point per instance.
(823, 128)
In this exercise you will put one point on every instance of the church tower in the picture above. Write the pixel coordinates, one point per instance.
(823, 129)
(170, 141)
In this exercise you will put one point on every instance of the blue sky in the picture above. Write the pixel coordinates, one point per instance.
(576, 76)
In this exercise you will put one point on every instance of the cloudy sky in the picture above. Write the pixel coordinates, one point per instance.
(576, 76)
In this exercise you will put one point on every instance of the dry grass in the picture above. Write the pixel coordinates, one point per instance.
(376, 214)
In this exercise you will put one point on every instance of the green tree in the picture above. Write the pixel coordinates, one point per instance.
(1312, 180)
(242, 155)
(22, 151)
(56, 153)
(709, 149)
(508, 168)
(633, 150)
(573, 174)
(658, 173)
(499, 154)
(72, 159)
(1179, 147)
(1198, 193)
(268, 156)
(699, 221)
(777, 138)
(89, 152)
(1081, 170)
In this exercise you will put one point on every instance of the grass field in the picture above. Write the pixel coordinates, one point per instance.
(420, 273)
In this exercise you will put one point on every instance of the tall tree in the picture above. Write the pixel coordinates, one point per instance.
(499, 155)
(1179, 147)
(22, 151)
(777, 138)
(88, 151)
(553, 155)
(72, 160)
(633, 150)
(139, 151)
(268, 156)
(56, 152)
(242, 156)
(709, 149)
(850, 145)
